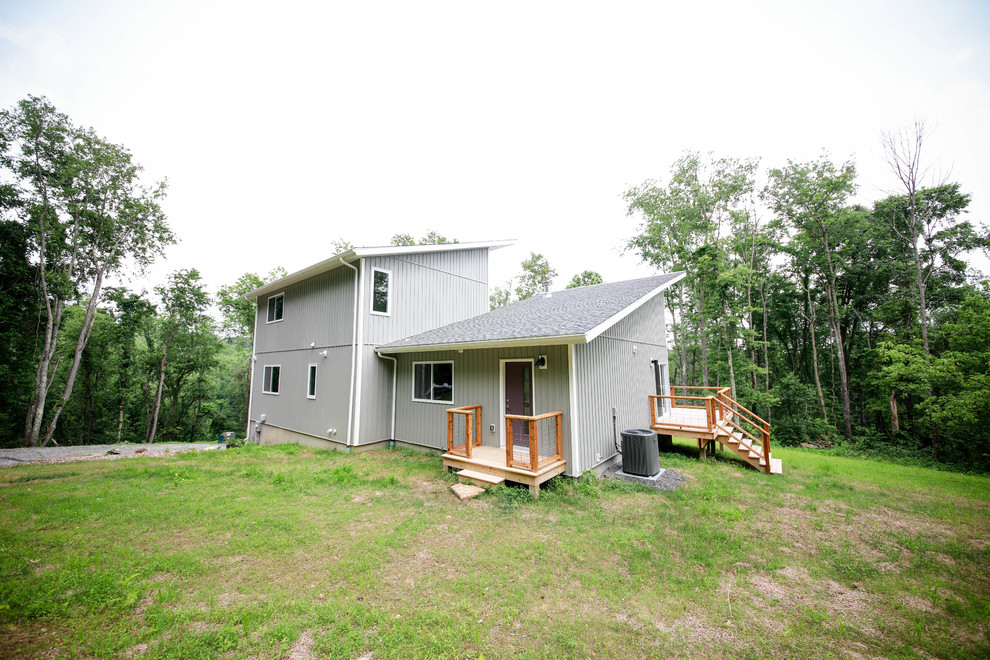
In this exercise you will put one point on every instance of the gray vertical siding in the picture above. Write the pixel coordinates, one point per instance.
(428, 291)
(610, 373)
(290, 408)
(318, 310)
(476, 381)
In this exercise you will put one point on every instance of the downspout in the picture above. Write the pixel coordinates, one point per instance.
(254, 359)
(395, 369)
(354, 335)
(360, 359)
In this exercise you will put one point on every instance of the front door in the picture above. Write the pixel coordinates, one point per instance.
(518, 379)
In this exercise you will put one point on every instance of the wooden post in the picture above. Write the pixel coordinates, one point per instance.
(710, 412)
(477, 421)
(766, 446)
(702, 449)
(508, 443)
(468, 432)
(534, 456)
(450, 432)
(560, 439)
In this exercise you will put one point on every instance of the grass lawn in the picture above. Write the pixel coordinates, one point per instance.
(274, 552)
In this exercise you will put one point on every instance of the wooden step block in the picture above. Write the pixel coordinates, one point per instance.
(480, 477)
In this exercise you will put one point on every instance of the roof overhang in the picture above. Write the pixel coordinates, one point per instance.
(494, 343)
(546, 340)
(354, 254)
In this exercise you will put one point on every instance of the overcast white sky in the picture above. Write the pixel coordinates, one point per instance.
(283, 126)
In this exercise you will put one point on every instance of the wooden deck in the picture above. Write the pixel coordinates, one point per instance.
(492, 460)
(714, 416)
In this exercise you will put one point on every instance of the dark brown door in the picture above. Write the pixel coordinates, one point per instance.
(519, 398)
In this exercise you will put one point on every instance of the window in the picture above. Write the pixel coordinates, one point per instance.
(381, 291)
(275, 307)
(311, 382)
(272, 373)
(433, 381)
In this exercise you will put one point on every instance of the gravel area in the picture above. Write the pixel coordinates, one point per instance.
(20, 455)
(666, 480)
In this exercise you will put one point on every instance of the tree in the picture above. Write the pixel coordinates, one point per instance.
(537, 275)
(811, 197)
(88, 216)
(500, 296)
(431, 238)
(133, 311)
(682, 228)
(238, 317)
(341, 245)
(587, 278)
(185, 326)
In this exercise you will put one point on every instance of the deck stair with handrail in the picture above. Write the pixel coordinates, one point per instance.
(708, 414)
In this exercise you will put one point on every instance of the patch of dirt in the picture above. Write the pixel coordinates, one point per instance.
(136, 650)
(303, 647)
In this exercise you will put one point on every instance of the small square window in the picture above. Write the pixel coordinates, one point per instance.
(433, 382)
(275, 307)
(311, 382)
(381, 291)
(272, 377)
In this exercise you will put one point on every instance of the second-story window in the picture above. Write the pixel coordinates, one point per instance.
(275, 307)
(381, 291)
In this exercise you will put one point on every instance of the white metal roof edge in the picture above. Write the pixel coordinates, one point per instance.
(357, 253)
(626, 311)
(552, 340)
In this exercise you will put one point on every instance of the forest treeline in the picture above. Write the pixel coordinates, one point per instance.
(841, 323)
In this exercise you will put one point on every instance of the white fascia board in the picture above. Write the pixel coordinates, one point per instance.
(354, 254)
(494, 343)
(615, 318)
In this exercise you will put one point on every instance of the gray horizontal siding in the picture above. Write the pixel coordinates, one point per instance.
(615, 370)
(477, 376)
(428, 291)
(318, 311)
(290, 408)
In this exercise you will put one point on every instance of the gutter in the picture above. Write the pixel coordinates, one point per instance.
(359, 343)
(395, 370)
(354, 337)
(254, 359)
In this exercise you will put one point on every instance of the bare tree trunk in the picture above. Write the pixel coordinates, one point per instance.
(840, 349)
(812, 321)
(158, 397)
(732, 371)
(702, 338)
(683, 340)
(766, 350)
(84, 333)
(895, 424)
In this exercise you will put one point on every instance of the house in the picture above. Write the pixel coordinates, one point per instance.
(395, 345)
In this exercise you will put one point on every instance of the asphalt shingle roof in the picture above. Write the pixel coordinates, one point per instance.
(562, 313)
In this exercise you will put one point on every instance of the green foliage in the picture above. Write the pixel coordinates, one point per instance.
(586, 278)
(431, 238)
(536, 276)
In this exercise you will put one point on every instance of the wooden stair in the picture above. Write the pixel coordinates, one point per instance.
(480, 478)
(747, 450)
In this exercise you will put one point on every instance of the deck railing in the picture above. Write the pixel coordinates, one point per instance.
(535, 460)
(472, 430)
(719, 408)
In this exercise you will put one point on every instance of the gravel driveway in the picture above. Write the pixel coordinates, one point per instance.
(20, 455)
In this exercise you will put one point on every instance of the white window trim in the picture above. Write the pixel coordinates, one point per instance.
(413, 393)
(279, 320)
(388, 300)
(311, 368)
(267, 366)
